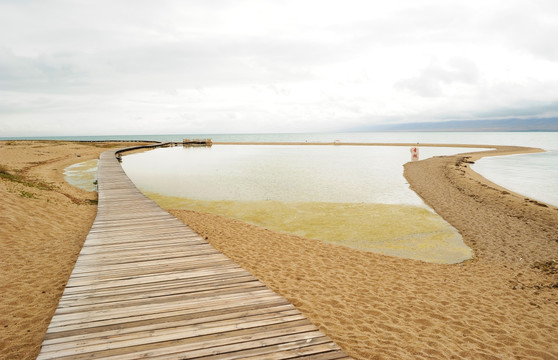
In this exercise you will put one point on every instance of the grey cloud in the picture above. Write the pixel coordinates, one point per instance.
(15, 104)
(164, 66)
(444, 23)
(42, 73)
(430, 82)
(522, 110)
(62, 59)
(534, 31)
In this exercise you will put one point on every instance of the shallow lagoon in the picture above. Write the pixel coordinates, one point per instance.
(345, 174)
(182, 177)
(354, 196)
(83, 174)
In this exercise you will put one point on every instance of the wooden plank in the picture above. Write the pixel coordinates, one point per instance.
(88, 263)
(168, 331)
(72, 323)
(246, 290)
(142, 248)
(163, 249)
(159, 291)
(312, 346)
(98, 295)
(160, 321)
(146, 285)
(174, 302)
(154, 278)
(201, 316)
(155, 336)
(262, 345)
(151, 267)
(192, 277)
(179, 349)
(186, 258)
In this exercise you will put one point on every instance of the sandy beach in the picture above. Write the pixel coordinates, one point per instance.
(43, 223)
(500, 305)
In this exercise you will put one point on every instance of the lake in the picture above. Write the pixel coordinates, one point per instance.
(353, 196)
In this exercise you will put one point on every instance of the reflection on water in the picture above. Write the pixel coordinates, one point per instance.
(333, 193)
(532, 175)
(347, 195)
(398, 230)
(82, 175)
(344, 174)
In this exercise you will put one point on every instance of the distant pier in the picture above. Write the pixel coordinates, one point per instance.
(197, 142)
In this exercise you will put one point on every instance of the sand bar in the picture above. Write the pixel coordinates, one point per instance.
(500, 305)
(362, 144)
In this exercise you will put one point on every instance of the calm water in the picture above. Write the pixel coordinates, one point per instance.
(354, 196)
(547, 140)
(344, 174)
(524, 174)
(532, 175)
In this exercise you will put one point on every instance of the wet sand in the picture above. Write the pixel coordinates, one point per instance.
(502, 304)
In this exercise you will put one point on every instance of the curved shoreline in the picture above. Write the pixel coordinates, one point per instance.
(463, 160)
(461, 196)
(496, 150)
(500, 305)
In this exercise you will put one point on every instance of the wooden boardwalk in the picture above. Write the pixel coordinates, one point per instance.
(146, 286)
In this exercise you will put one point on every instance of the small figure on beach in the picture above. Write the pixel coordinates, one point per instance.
(414, 153)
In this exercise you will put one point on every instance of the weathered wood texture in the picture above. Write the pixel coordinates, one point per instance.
(146, 286)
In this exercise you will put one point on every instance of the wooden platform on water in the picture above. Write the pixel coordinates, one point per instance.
(146, 286)
(202, 142)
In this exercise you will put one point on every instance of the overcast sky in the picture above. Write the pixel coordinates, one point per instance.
(96, 67)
